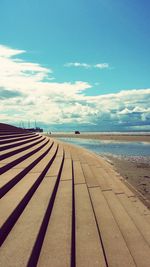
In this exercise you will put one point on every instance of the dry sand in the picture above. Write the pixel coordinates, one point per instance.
(117, 137)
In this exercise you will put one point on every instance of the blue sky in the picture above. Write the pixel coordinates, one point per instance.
(87, 63)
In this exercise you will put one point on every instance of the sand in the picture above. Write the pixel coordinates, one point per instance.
(136, 171)
(117, 137)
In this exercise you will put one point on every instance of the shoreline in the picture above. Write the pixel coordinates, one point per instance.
(135, 171)
(55, 186)
(113, 137)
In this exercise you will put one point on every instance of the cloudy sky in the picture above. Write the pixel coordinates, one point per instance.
(75, 64)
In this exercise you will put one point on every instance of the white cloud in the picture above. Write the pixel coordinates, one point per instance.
(102, 66)
(15, 71)
(87, 66)
(36, 95)
(9, 52)
(32, 96)
(77, 64)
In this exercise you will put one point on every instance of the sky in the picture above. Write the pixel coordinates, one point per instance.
(75, 65)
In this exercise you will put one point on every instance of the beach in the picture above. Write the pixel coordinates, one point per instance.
(135, 170)
(115, 137)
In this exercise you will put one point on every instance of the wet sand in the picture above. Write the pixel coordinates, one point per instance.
(116, 137)
(136, 171)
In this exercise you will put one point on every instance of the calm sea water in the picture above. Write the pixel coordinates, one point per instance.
(117, 148)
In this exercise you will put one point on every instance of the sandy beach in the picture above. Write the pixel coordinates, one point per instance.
(135, 170)
(116, 137)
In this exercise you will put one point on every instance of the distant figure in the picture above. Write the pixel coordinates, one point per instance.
(77, 132)
(50, 133)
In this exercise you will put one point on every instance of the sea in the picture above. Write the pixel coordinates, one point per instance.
(111, 147)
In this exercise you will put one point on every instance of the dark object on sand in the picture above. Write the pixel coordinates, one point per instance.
(77, 132)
